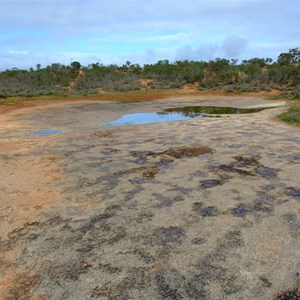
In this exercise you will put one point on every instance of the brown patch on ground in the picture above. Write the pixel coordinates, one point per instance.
(23, 286)
(181, 152)
(27, 183)
(25, 193)
(175, 152)
(10, 147)
(150, 173)
(107, 133)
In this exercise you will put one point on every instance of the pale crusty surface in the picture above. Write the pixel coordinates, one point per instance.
(200, 209)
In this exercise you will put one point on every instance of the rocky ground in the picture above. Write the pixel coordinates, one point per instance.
(200, 209)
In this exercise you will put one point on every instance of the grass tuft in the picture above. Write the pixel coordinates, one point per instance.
(292, 116)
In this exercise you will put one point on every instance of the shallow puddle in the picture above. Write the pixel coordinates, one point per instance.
(47, 132)
(146, 118)
(178, 114)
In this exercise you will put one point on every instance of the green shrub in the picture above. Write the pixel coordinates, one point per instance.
(292, 116)
(229, 89)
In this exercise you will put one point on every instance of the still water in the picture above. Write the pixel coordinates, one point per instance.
(178, 114)
(47, 132)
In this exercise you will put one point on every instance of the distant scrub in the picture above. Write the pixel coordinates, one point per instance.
(253, 75)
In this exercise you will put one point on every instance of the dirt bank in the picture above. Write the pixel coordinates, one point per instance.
(200, 209)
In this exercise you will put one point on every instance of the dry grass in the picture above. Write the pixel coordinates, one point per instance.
(146, 94)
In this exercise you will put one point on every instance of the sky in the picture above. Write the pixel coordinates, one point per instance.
(144, 31)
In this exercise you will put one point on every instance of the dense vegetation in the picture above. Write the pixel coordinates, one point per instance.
(254, 75)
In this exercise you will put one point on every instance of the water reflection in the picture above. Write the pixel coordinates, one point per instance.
(146, 118)
(178, 114)
(191, 111)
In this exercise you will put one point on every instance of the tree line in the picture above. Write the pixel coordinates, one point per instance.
(253, 75)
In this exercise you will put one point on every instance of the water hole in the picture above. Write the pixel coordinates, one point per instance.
(179, 114)
(47, 132)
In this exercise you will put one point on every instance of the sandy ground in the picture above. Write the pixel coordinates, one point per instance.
(201, 209)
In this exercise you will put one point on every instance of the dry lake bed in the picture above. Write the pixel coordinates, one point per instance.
(204, 208)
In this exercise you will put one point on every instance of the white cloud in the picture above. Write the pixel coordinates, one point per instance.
(18, 52)
(205, 52)
(233, 46)
(145, 30)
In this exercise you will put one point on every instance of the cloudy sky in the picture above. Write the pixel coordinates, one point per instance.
(144, 31)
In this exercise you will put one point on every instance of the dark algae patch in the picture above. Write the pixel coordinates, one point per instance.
(288, 295)
(165, 236)
(266, 172)
(164, 201)
(181, 152)
(232, 169)
(239, 211)
(69, 271)
(248, 166)
(292, 294)
(204, 211)
(208, 184)
(176, 152)
(198, 241)
(150, 166)
(293, 192)
(165, 290)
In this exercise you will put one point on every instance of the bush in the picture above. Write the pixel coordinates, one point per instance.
(175, 85)
(229, 89)
(292, 116)
(246, 88)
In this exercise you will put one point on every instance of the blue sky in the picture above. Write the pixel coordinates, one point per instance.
(144, 31)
